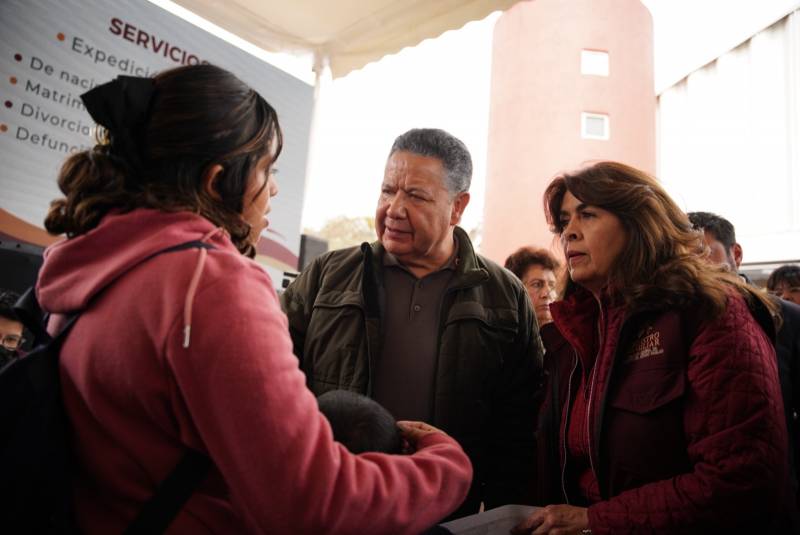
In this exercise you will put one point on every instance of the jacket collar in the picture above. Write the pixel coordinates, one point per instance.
(577, 316)
(576, 319)
(468, 272)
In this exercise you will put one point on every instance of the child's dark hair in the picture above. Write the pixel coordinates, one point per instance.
(360, 423)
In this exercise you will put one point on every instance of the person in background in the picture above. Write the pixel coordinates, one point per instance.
(420, 322)
(189, 349)
(719, 235)
(667, 413)
(360, 423)
(784, 282)
(11, 329)
(536, 268)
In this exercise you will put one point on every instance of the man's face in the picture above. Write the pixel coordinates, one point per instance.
(719, 255)
(416, 213)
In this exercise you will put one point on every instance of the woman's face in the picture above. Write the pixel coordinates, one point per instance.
(541, 285)
(786, 290)
(261, 187)
(593, 239)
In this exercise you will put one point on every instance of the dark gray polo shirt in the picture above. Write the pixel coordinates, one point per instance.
(404, 374)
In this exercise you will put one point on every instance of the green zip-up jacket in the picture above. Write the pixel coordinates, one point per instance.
(488, 371)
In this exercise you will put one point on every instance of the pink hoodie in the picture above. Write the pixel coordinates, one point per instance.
(191, 348)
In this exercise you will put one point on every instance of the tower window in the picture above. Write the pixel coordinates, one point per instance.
(594, 62)
(594, 126)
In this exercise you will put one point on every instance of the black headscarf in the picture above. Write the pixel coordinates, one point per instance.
(122, 106)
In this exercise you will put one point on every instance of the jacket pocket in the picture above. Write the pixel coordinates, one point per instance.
(490, 328)
(474, 344)
(336, 347)
(645, 390)
(644, 437)
(503, 319)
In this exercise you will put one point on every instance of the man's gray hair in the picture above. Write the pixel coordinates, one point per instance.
(447, 148)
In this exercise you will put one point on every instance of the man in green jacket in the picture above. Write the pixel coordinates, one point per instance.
(424, 325)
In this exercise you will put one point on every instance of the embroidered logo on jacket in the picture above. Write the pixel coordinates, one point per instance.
(648, 344)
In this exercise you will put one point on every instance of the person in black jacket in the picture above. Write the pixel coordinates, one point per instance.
(720, 236)
(420, 322)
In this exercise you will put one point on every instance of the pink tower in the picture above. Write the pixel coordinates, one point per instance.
(572, 81)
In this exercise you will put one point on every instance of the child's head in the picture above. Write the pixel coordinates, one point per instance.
(360, 423)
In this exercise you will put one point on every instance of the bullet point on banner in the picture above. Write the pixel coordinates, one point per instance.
(60, 36)
(13, 80)
(8, 104)
(3, 128)
(18, 57)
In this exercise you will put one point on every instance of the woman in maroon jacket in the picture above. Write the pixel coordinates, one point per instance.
(664, 406)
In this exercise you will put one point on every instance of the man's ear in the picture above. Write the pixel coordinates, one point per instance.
(737, 254)
(210, 178)
(459, 204)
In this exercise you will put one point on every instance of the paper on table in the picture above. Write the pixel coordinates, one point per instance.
(497, 521)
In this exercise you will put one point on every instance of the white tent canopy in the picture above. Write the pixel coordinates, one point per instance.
(344, 34)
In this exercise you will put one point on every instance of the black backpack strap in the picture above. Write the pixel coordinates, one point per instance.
(195, 244)
(31, 315)
(34, 319)
(159, 511)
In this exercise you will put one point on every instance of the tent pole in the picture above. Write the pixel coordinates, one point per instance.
(319, 67)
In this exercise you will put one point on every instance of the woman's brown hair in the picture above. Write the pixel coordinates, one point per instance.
(662, 264)
(520, 260)
(200, 116)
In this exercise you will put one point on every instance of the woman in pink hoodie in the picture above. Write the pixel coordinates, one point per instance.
(189, 349)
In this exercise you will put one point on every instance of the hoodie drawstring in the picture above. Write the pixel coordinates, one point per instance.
(198, 271)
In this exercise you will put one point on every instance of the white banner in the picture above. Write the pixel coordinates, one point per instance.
(51, 51)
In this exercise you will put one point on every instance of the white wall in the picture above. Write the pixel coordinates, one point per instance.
(690, 33)
(729, 141)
